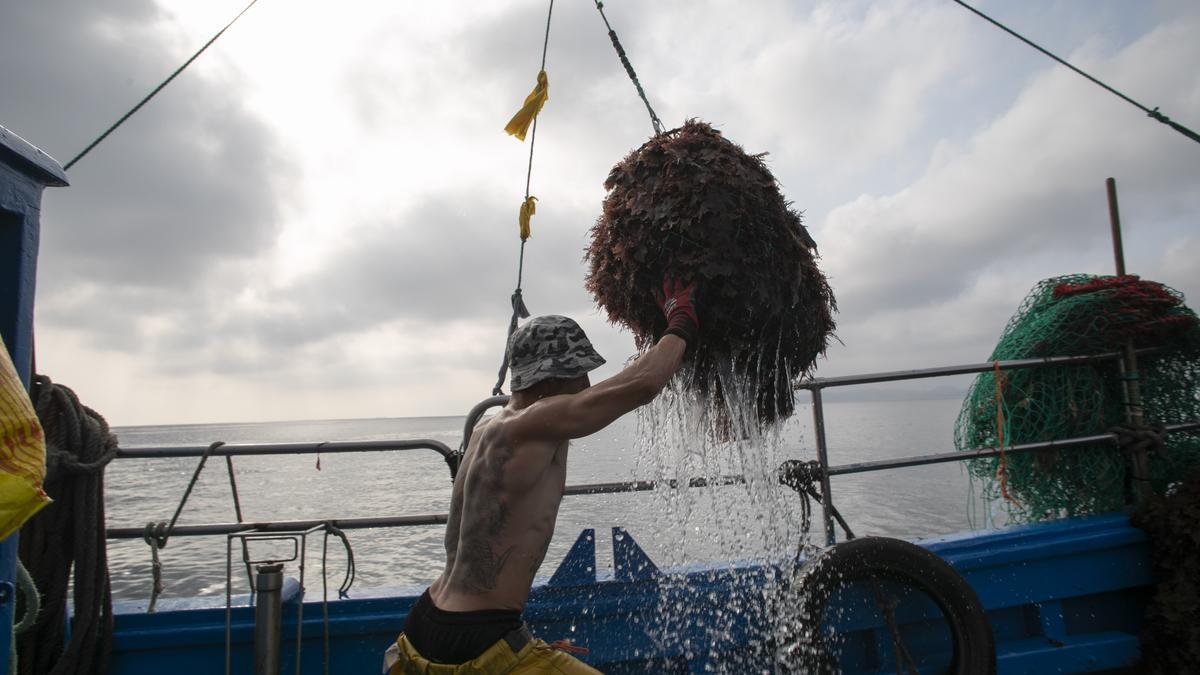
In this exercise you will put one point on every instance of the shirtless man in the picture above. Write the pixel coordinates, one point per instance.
(505, 499)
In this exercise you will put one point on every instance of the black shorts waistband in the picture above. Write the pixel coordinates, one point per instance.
(457, 637)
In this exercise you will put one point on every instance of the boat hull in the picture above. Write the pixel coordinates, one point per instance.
(1067, 596)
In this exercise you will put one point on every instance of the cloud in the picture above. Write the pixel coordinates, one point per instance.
(190, 179)
(1179, 268)
(289, 232)
(827, 87)
(167, 212)
(451, 257)
(1027, 188)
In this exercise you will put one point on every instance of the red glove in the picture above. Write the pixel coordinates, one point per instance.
(678, 303)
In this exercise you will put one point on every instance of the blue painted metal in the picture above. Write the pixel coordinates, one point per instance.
(24, 172)
(1061, 597)
(578, 568)
(630, 562)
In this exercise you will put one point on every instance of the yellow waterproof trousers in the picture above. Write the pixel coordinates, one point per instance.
(534, 658)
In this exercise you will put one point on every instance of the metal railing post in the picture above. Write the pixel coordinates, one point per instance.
(268, 618)
(1134, 413)
(823, 460)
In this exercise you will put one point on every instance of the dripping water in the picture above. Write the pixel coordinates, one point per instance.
(754, 524)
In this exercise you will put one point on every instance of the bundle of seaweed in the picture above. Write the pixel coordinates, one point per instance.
(691, 204)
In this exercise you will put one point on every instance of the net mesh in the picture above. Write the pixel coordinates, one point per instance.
(1075, 316)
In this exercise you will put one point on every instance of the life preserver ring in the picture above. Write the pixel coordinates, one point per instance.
(974, 650)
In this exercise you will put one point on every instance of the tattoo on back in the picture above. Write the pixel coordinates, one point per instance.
(482, 517)
(483, 566)
(497, 517)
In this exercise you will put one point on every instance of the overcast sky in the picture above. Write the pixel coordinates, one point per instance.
(318, 218)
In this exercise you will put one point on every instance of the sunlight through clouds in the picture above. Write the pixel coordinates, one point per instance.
(319, 217)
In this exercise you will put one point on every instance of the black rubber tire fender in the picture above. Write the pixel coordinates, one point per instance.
(906, 563)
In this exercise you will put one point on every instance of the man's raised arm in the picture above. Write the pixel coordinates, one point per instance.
(577, 415)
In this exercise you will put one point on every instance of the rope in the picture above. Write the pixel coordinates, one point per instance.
(803, 478)
(1138, 438)
(65, 543)
(1152, 113)
(612, 35)
(156, 585)
(157, 534)
(157, 89)
(351, 570)
(343, 592)
(567, 646)
(29, 595)
(1000, 380)
(887, 605)
(519, 310)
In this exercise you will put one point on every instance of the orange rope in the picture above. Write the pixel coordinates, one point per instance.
(566, 646)
(1002, 470)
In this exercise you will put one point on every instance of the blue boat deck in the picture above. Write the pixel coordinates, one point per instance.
(1063, 597)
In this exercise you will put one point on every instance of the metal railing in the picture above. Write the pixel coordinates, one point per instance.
(815, 386)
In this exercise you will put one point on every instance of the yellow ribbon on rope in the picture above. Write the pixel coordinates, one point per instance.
(519, 124)
(528, 208)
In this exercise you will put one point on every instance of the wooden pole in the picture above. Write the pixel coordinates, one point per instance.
(1114, 218)
(1134, 413)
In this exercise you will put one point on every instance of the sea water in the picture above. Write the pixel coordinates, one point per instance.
(675, 528)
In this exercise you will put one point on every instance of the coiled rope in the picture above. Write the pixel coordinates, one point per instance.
(69, 536)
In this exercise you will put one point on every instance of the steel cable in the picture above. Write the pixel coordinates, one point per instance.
(1151, 112)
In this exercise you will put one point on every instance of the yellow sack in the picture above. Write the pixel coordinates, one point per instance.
(519, 124)
(22, 453)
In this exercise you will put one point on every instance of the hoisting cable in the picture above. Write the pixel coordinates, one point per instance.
(157, 89)
(517, 127)
(612, 35)
(1153, 113)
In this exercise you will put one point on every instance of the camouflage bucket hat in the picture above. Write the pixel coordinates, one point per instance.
(549, 347)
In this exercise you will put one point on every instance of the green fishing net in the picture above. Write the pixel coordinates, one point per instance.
(1075, 316)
